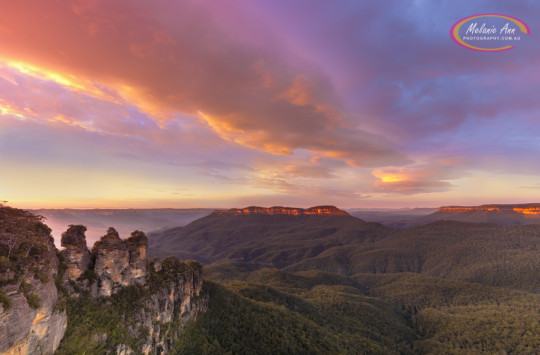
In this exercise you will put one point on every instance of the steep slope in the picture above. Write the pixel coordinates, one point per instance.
(506, 256)
(496, 255)
(400, 312)
(272, 239)
(112, 300)
(137, 319)
(121, 302)
(454, 317)
(30, 320)
(258, 317)
(429, 289)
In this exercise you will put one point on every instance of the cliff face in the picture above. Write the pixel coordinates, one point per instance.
(117, 301)
(30, 320)
(526, 210)
(277, 210)
(153, 299)
(75, 253)
(137, 246)
(119, 263)
(179, 300)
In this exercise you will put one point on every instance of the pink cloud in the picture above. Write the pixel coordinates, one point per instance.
(184, 58)
(433, 176)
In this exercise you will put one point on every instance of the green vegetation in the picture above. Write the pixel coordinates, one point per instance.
(89, 317)
(271, 240)
(236, 325)
(504, 256)
(63, 293)
(33, 300)
(170, 269)
(100, 325)
(444, 287)
(40, 275)
(285, 284)
(89, 275)
(4, 300)
(25, 243)
(401, 313)
(453, 316)
(281, 313)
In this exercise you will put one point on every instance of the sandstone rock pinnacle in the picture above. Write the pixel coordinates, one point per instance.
(119, 263)
(76, 254)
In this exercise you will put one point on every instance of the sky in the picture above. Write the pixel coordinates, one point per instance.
(198, 103)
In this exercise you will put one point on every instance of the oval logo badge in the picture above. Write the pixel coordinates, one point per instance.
(489, 32)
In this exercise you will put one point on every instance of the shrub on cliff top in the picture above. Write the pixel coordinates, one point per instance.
(6, 302)
(23, 240)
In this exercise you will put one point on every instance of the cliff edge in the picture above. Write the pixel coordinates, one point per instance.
(278, 210)
(117, 301)
(31, 319)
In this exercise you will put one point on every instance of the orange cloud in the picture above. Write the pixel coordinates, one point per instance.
(183, 58)
(302, 93)
(423, 178)
(72, 121)
(7, 109)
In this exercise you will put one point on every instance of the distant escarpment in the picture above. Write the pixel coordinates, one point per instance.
(273, 237)
(509, 214)
(278, 210)
(116, 300)
(527, 210)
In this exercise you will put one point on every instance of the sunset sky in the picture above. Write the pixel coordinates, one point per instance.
(108, 103)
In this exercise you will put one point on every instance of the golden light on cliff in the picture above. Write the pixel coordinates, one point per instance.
(525, 210)
(279, 210)
(532, 211)
(469, 209)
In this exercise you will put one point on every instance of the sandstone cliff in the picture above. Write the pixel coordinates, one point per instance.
(278, 210)
(75, 253)
(31, 321)
(531, 210)
(127, 304)
(117, 301)
(177, 300)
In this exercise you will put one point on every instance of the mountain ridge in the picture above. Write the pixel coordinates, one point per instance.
(527, 209)
(324, 210)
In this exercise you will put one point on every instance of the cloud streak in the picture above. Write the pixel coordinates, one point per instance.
(177, 66)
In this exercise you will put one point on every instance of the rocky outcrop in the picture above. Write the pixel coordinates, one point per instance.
(24, 330)
(137, 245)
(278, 210)
(179, 300)
(169, 292)
(112, 263)
(119, 263)
(31, 319)
(151, 301)
(326, 211)
(527, 210)
(75, 253)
